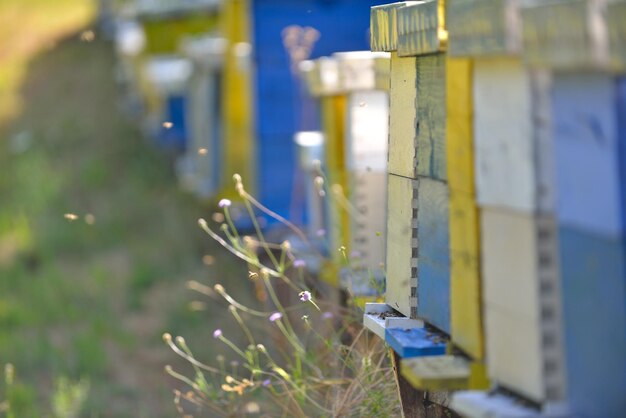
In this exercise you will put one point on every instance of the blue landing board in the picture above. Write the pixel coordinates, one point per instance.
(586, 152)
(594, 308)
(415, 342)
(433, 260)
(174, 138)
(343, 26)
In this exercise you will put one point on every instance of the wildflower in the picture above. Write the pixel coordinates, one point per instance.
(327, 315)
(305, 296)
(286, 245)
(266, 382)
(217, 333)
(299, 264)
(202, 151)
(70, 216)
(275, 316)
(224, 203)
(168, 125)
(320, 232)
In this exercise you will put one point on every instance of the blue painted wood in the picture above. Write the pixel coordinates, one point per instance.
(433, 259)
(585, 148)
(593, 291)
(415, 342)
(343, 26)
(174, 138)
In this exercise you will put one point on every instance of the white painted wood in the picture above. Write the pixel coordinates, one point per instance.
(399, 259)
(478, 404)
(503, 135)
(367, 131)
(513, 347)
(369, 223)
(402, 116)
(376, 323)
(509, 261)
(511, 301)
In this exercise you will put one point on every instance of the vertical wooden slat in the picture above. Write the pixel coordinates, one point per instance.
(401, 261)
(402, 116)
(511, 301)
(503, 134)
(238, 137)
(431, 115)
(465, 289)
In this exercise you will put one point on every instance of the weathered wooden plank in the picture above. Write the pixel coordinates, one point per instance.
(431, 117)
(483, 27)
(586, 152)
(459, 125)
(593, 272)
(511, 302)
(401, 261)
(433, 253)
(402, 116)
(465, 288)
(363, 70)
(384, 27)
(503, 134)
(421, 28)
(565, 34)
(436, 372)
(415, 342)
(202, 155)
(616, 23)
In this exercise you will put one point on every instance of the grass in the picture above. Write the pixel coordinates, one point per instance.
(90, 299)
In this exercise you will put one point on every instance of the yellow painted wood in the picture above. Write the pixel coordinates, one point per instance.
(238, 137)
(163, 35)
(402, 116)
(421, 28)
(436, 372)
(384, 27)
(459, 137)
(465, 286)
(449, 372)
(333, 125)
(401, 263)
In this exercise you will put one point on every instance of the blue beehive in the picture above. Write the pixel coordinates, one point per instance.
(342, 26)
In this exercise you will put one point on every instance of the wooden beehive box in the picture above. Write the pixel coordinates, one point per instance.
(510, 160)
(199, 168)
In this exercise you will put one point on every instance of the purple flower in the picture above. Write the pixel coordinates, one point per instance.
(320, 232)
(217, 333)
(266, 382)
(355, 254)
(224, 203)
(275, 316)
(327, 315)
(299, 264)
(305, 296)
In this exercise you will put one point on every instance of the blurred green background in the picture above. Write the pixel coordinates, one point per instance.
(96, 240)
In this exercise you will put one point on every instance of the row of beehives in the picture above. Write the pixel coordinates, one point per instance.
(216, 82)
(505, 256)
